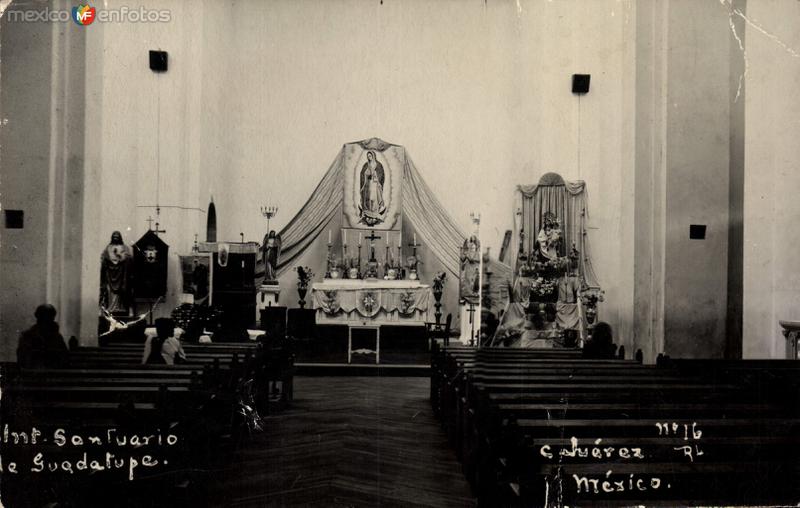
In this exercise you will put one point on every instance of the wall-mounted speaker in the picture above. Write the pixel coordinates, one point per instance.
(158, 61)
(580, 83)
(697, 231)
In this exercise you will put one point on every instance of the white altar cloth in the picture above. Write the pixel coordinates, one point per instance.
(365, 302)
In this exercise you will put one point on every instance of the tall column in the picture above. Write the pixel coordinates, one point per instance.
(683, 146)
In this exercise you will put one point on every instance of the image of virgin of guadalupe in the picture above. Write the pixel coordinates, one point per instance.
(371, 184)
(115, 275)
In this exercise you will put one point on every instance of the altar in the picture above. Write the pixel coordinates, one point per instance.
(362, 302)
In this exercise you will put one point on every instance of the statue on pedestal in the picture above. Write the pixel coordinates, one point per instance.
(470, 268)
(270, 253)
(115, 276)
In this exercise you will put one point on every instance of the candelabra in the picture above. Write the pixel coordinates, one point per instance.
(328, 262)
(268, 212)
(359, 258)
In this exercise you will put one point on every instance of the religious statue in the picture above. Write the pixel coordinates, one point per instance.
(549, 238)
(371, 185)
(470, 271)
(115, 275)
(270, 252)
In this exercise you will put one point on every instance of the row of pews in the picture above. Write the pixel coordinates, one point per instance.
(104, 430)
(552, 428)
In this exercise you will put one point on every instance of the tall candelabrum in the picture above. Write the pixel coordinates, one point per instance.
(268, 212)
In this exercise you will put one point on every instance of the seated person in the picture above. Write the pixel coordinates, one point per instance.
(42, 345)
(164, 347)
(600, 345)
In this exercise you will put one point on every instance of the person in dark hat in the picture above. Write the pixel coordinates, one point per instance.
(42, 345)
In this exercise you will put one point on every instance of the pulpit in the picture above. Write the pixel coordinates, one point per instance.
(791, 330)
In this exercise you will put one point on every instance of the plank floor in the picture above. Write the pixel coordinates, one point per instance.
(348, 441)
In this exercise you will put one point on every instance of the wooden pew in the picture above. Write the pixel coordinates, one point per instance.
(529, 407)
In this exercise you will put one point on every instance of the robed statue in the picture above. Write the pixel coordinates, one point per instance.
(115, 275)
(549, 238)
(270, 252)
(470, 269)
(371, 185)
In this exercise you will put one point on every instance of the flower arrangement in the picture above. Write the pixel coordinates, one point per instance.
(591, 296)
(542, 287)
(438, 282)
(304, 276)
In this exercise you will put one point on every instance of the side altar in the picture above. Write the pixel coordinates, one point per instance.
(377, 302)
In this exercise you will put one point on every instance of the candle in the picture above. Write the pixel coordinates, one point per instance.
(388, 234)
(345, 236)
(415, 239)
(359, 238)
(329, 237)
(399, 236)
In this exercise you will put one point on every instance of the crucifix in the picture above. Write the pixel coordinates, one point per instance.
(372, 239)
(150, 226)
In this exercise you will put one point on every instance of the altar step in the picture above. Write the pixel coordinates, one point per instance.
(361, 369)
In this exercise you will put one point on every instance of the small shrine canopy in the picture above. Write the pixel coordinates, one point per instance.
(568, 202)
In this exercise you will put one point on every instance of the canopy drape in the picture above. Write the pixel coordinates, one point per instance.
(568, 201)
(421, 209)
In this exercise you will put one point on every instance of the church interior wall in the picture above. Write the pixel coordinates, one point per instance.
(771, 207)
(25, 142)
(697, 173)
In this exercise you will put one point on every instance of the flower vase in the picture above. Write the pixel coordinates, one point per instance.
(302, 292)
(437, 296)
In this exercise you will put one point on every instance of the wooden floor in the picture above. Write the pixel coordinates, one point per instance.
(348, 441)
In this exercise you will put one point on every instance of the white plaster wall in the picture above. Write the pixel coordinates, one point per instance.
(772, 178)
(697, 170)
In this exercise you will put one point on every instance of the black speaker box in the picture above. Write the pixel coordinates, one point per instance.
(158, 61)
(580, 83)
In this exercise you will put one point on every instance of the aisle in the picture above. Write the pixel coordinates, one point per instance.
(349, 441)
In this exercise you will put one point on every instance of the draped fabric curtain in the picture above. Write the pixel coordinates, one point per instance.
(568, 201)
(325, 202)
(428, 217)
